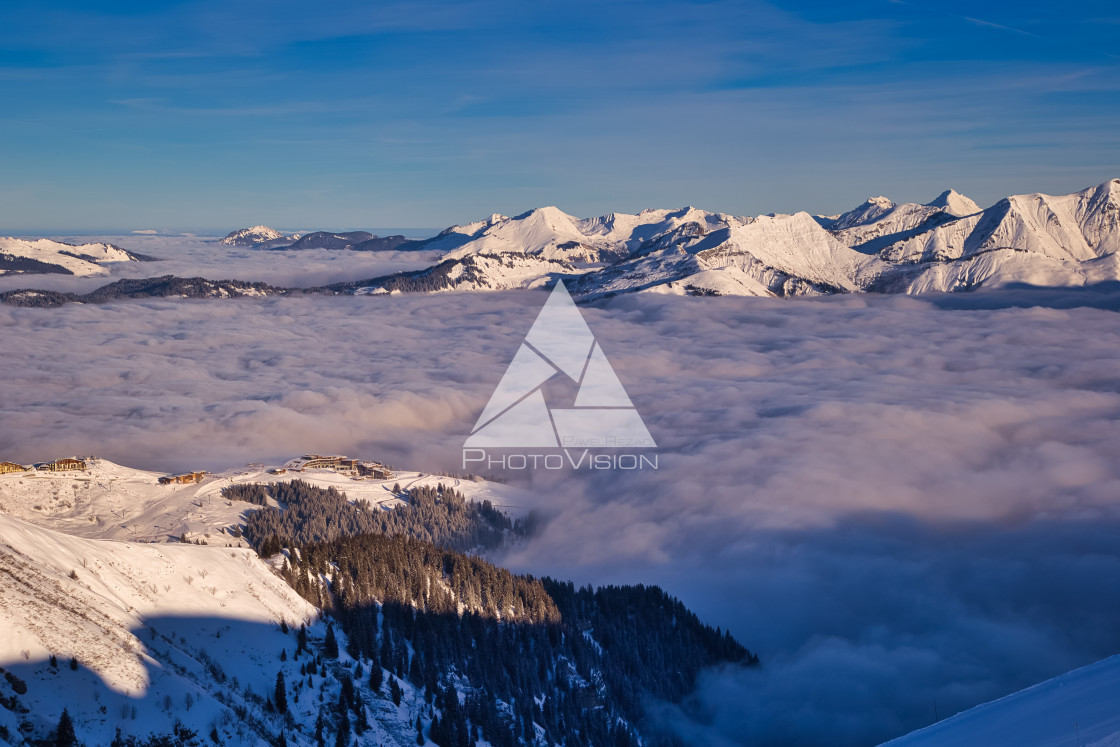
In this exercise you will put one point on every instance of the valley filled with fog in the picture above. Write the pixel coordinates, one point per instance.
(905, 505)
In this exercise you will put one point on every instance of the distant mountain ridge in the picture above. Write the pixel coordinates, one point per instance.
(263, 237)
(947, 244)
(167, 286)
(253, 236)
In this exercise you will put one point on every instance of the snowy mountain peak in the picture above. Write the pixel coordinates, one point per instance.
(251, 236)
(550, 214)
(954, 203)
(869, 212)
(475, 228)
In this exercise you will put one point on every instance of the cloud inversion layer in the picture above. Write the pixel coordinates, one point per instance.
(900, 504)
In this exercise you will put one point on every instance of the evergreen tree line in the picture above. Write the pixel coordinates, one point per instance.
(359, 570)
(249, 492)
(528, 653)
(439, 515)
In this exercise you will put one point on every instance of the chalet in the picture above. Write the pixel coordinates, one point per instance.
(6, 467)
(185, 478)
(338, 463)
(62, 465)
(375, 470)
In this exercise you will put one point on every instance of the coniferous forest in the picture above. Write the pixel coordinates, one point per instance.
(310, 514)
(507, 658)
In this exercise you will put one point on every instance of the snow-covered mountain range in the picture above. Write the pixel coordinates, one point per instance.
(947, 244)
(33, 256)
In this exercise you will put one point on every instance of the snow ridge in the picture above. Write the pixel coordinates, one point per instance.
(251, 236)
(47, 256)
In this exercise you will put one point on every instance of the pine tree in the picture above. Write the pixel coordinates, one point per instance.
(437, 731)
(330, 643)
(375, 677)
(281, 693)
(64, 735)
(342, 738)
(395, 691)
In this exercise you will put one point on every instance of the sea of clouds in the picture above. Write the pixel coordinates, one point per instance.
(188, 255)
(904, 506)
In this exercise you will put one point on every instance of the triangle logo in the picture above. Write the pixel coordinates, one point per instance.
(560, 344)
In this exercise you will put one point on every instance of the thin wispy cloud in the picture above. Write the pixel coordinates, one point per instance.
(505, 107)
(969, 19)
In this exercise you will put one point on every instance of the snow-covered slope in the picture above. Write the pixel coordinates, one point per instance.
(46, 256)
(253, 236)
(954, 203)
(162, 631)
(879, 221)
(771, 255)
(551, 234)
(1077, 708)
(1036, 239)
(147, 626)
(111, 501)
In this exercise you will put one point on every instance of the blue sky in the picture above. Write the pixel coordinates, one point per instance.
(215, 114)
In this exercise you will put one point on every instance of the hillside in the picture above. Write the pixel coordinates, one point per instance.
(263, 237)
(206, 641)
(878, 222)
(114, 502)
(146, 625)
(1078, 707)
(38, 256)
(167, 286)
(255, 236)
